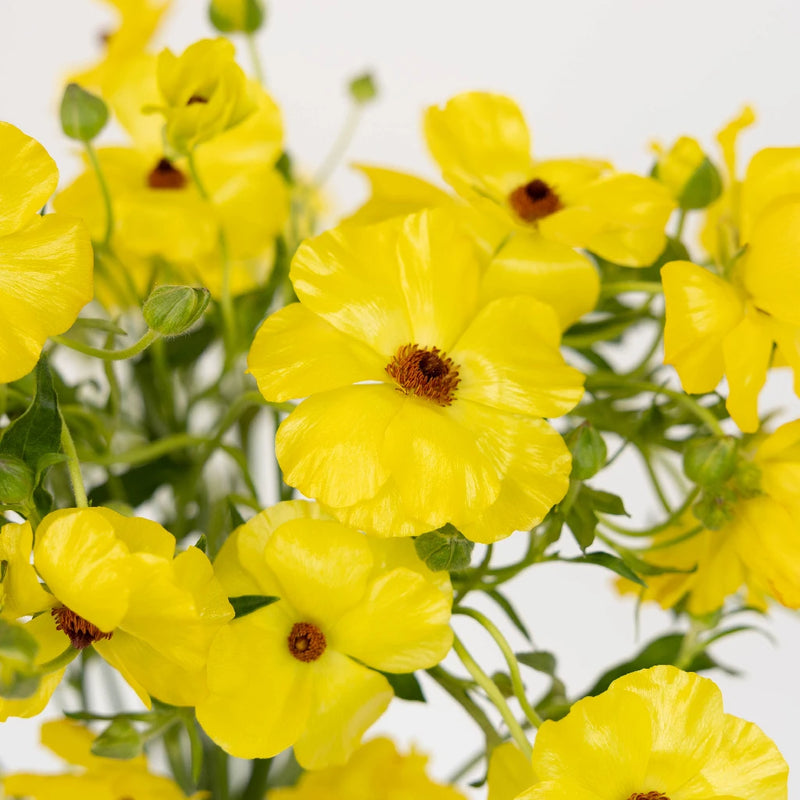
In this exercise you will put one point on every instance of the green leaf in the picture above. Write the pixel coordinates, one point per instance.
(16, 480)
(588, 450)
(510, 611)
(582, 521)
(642, 567)
(406, 686)
(119, 740)
(702, 188)
(540, 660)
(38, 431)
(604, 502)
(237, 520)
(609, 561)
(444, 549)
(248, 603)
(16, 643)
(202, 543)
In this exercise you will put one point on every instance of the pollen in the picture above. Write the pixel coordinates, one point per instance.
(306, 641)
(425, 372)
(534, 201)
(80, 631)
(648, 796)
(166, 176)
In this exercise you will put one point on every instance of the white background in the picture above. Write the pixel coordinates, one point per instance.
(595, 77)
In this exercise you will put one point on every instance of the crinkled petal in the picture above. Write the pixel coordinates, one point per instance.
(297, 353)
(509, 359)
(347, 699)
(701, 310)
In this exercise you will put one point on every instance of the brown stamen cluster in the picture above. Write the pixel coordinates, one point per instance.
(534, 201)
(426, 372)
(306, 641)
(80, 631)
(196, 98)
(649, 796)
(166, 176)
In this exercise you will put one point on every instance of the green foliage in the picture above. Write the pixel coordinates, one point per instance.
(248, 603)
(406, 686)
(172, 310)
(444, 549)
(588, 451)
(702, 188)
(119, 740)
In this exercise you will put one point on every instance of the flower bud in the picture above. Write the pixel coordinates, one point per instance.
(236, 16)
(83, 115)
(686, 171)
(588, 451)
(363, 89)
(16, 480)
(747, 479)
(444, 548)
(714, 509)
(172, 310)
(710, 462)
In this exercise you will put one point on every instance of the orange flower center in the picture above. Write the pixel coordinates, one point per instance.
(80, 631)
(534, 201)
(166, 176)
(306, 641)
(196, 98)
(426, 372)
(649, 796)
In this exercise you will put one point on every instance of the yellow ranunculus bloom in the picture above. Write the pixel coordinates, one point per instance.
(483, 147)
(656, 734)
(205, 93)
(115, 584)
(426, 406)
(45, 261)
(376, 771)
(301, 671)
(758, 549)
(91, 777)
(676, 166)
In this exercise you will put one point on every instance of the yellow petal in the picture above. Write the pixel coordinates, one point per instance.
(140, 535)
(395, 194)
(701, 310)
(773, 175)
(322, 567)
(45, 280)
(347, 699)
(550, 272)
(23, 593)
(747, 351)
(480, 140)
(510, 772)
(296, 353)
(28, 177)
(259, 695)
(328, 447)
(72, 742)
(411, 280)
(729, 136)
(787, 339)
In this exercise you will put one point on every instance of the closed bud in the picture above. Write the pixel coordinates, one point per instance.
(119, 740)
(363, 89)
(687, 172)
(236, 16)
(588, 451)
(714, 509)
(444, 549)
(16, 480)
(172, 310)
(710, 462)
(747, 479)
(83, 115)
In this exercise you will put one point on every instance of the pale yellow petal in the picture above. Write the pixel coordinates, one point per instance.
(510, 772)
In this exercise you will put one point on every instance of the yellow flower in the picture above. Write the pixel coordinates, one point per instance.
(301, 671)
(675, 167)
(444, 422)
(509, 772)
(45, 261)
(376, 771)
(656, 734)
(758, 548)
(205, 91)
(92, 777)
(114, 584)
(483, 147)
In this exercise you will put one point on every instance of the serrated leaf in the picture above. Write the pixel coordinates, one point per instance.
(248, 603)
(609, 561)
(406, 686)
(119, 740)
(540, 660)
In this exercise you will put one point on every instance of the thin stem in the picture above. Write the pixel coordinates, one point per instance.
(148, 452)
(495, 695)
(255, 57)
(74, 466)
(618, 287)
(511, 660)
(257, 784)
(655, 482)
(59, 662)
(662, 526)
(339, 147)
(109, 355)
(220, 767)
(104, 191)
(681, 223)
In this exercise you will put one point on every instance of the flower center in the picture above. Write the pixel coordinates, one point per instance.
(426, 372)
(534, 201)
(196, 98)
(306, 641)
(648, 796)
(166, 176)
(80, 631)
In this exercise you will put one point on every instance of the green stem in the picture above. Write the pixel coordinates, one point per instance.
(655, 482)
(511, 660)
(495, 695)
(148, 452)
(104, 191)
(74, 466)
(109, 355)
(59, 662)
(258, 67)
(681, 223)
(339, 147)
(257, 784)
(221, 789)
(662, 526)
(618, 287)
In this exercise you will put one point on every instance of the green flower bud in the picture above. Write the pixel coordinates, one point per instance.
(444, 548)
(119, 740)
(703, 187)
(715, 509)
(237, 16)
(588, 451)
(172, 310)
(747, 479)
(16, 480)
(710, 462)
(363, 89)
(83, 115)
